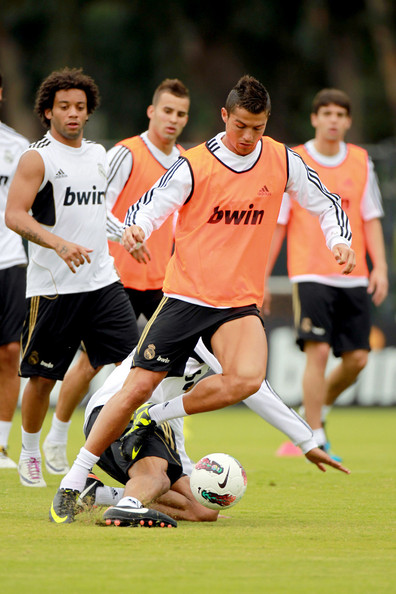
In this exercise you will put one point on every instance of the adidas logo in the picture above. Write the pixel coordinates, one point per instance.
(60, 174)
(264, 191)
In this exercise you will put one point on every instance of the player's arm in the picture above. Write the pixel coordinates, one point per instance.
(305, 186)
(166, 196)
(276, 244)
(23, 191)
(378, 281)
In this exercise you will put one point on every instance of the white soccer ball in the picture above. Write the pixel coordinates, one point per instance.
(218, 481)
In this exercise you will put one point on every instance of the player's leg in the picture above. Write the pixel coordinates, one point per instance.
(73, 389)
(314, 383)
(12, 313)
(180, 503)
(345, 374)
(351, 340)
(240, 346)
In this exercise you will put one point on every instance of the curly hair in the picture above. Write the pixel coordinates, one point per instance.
(249, 94)
(59, 80)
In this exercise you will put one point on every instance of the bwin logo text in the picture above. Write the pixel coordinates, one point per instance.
(83, 197)
(237, 217)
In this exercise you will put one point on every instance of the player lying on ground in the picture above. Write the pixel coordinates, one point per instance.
(152, 476)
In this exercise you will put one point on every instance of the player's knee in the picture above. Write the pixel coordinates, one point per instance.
(9, 354)
(240, 387)
(357, 360)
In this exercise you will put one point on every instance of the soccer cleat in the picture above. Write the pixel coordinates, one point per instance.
(5, 460)
(125, 515)
(64, 506)
(55, 457)
(30, 473)
(327, 448)
(88, 494)
(143, 426)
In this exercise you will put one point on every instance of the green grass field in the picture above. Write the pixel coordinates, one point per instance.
(296, 530)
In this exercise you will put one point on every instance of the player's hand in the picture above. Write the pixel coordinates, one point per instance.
(378, 285)
(132, 238)
(73, 254)
(141, 254)
(345, 256)
(320, 458)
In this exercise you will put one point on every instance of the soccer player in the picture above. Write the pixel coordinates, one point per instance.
(56, 202)
(331, 310)
(148, 469)
(135, 164)
(13, 263)
(228, 193)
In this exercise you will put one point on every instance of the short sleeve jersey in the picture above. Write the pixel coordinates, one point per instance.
(71, 204)
(12, 145)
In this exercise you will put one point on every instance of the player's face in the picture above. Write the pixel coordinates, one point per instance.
(68, 116)
(331, 123)
(168, 117)
(243, 129)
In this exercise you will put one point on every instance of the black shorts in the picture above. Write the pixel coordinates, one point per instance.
(159, 445)
(56, 325)
(12, 303)
(144, 302)
(174, 329)
(338, 316)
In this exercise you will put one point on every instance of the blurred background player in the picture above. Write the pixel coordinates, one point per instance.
(74, 293)
(135, 164)
(13, 262)
(147, 478)
(331, 310)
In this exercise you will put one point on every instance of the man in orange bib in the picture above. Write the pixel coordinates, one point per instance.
(332, 311)
(227, 192)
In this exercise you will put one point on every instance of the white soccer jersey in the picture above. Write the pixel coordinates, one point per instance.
(71, 204)
(12, 145)
(265, 402)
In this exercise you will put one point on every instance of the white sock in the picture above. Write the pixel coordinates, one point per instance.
(325, 411)
(30, 445)
(77, 475)
(5, 428)
(171, 409)
(108, 495)
(130, 502)
(320, 436)
(58, 431)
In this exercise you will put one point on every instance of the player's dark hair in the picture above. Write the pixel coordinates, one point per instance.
(248, 94)
(60, 80)
(173, 86)
(327, 96)
(1, 80)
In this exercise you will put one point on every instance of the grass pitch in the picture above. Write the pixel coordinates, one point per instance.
(296, 530)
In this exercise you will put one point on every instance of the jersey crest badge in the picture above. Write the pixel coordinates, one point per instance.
(149, 353)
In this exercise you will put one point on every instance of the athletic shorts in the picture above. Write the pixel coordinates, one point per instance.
(173, 331)
(144, 302)
(159, 445)
(338, 316)
(12, 303)
(55, 326)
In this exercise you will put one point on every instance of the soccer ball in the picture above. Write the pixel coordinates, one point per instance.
(218, 481)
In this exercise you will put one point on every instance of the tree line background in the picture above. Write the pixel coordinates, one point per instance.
(295, 49)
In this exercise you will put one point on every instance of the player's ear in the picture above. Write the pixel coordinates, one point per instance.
(150, 111)
(224, 115)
